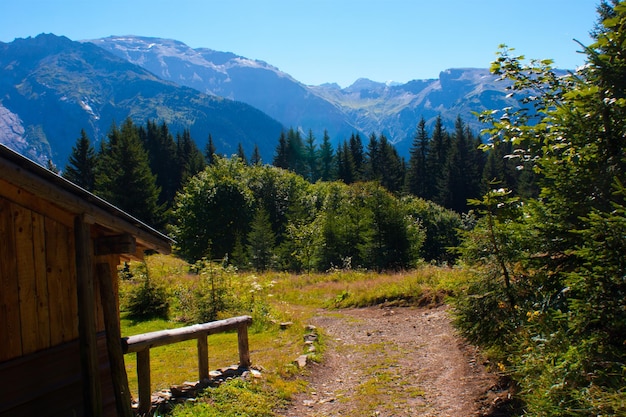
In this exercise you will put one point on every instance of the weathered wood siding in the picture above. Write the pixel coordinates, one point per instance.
(40, 367)
(38, 279)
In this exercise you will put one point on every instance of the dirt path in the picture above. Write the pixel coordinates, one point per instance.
(394, 362)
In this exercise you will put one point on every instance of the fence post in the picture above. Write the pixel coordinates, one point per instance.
(143, 380)
(244, 350)
(203, 357)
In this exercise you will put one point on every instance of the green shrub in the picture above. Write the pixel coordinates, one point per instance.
(148, 299)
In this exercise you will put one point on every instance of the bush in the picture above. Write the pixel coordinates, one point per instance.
(148, 299)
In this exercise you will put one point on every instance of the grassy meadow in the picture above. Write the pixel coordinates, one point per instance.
(191, 292)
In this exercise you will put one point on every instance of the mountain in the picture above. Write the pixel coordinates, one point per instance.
(365, 107)
(395, 110)
(225, 74)
(52, 87)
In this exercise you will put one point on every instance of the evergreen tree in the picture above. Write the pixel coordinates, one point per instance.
(435, 162)
(327, 159)
(256, 159)
(373, 163)
(346, 170)
(161, 148)
(416, 180)
(82, 163)
(281, 155)
(295, 153)
(392, 168)
(189, 159)
(462, 173)
(358, 156)
(261, 241)
(51, 167)
(123, 175)
(311, 158)
(209, 151)
(242, 154)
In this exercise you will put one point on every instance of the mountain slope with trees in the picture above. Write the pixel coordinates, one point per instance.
(53, 87)
(365, 107)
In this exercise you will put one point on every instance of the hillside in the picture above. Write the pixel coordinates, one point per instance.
(366, 106)
(53, 87)
(225, 74)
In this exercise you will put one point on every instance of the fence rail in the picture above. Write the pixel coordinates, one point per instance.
(142, 343)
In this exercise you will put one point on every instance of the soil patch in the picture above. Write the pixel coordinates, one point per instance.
(398, 361)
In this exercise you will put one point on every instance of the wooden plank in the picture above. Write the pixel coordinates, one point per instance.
(244, 349)
(87, 318)
(165, 337)
(143, 381)
(26, 278)
(72, 286)
(59, 367)
(10, 321)
(41, 281)
(106, 277)
(203, 358)
(34, 202)
(61, 284)
(117, 244)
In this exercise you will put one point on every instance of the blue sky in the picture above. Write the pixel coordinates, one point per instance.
(318, 41)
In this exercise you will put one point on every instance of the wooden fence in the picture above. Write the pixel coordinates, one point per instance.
(142, 343)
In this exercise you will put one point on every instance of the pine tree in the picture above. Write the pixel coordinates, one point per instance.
(416, 180)
(391, 166)
(189, 159)
(261, 241)
(82, 163)
(373, 159)
(256, 159)
(241, 153)
(311, 157)
(209, 151)
(358, 156)
(327, 159)
(281, 158)
(123, 175)
(346, 170)
(159, 143)
(295, 153)
(435, 162)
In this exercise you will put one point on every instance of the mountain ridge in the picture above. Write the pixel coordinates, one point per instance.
(364, 107)
(53, 87)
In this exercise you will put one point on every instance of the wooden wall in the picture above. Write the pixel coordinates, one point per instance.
(38, 281)
(39, 305)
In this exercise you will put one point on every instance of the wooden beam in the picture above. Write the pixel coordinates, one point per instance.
(203, 358)
(165, 337)
(143, 381)
(92, 394)
(244, 350)
(113, 337)
(115, 245)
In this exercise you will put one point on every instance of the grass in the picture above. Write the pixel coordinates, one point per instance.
(272, 298)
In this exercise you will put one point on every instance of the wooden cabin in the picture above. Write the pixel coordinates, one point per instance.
(60, 246)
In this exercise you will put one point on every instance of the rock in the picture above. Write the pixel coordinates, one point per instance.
(312, 337)
(285, 325)
(310, 328)
(302, 361)
(215, 374)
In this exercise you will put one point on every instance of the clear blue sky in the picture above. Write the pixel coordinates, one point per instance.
(318, 41)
